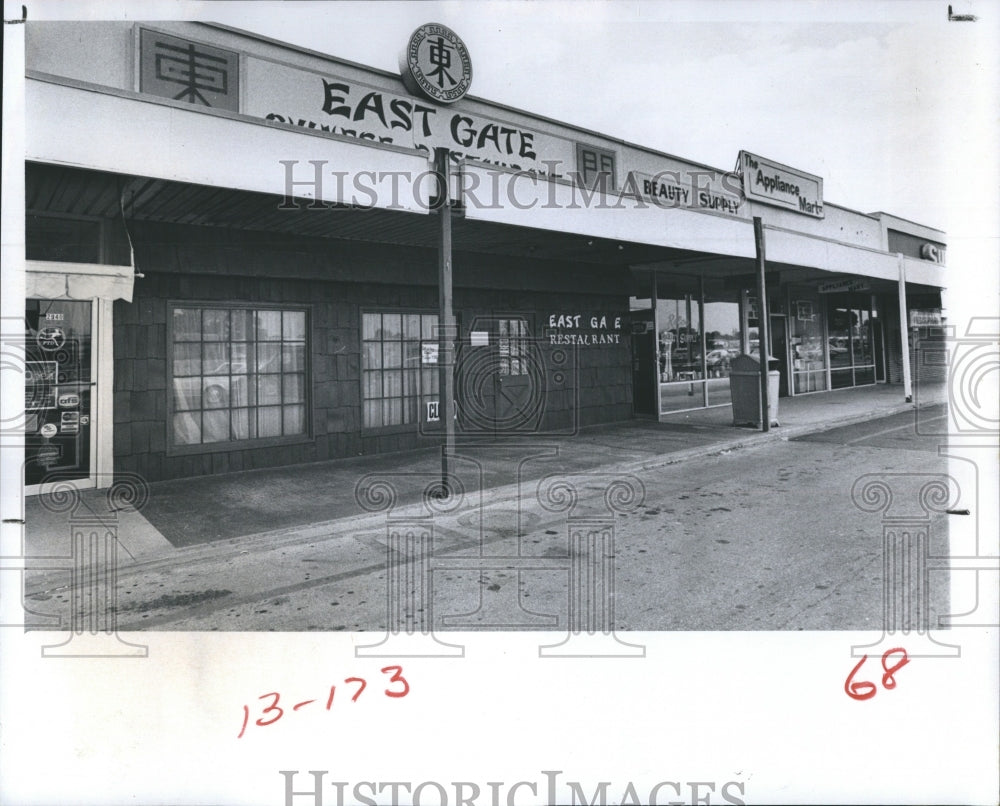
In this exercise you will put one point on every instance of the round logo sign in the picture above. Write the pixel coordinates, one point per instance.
(51, 338)
(436, 64)
(49, 430)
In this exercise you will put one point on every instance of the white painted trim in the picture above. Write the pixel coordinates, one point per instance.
(102, 395)
(83, 281)
(122, 134)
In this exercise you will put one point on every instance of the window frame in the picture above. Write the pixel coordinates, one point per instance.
(600, 154)
(400, 428)
(175, 449)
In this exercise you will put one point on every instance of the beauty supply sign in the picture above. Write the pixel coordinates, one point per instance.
(773, 183)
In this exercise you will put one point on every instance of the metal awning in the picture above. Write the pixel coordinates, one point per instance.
(59, 189)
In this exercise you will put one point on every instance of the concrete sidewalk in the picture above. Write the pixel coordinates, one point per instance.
(194, 511)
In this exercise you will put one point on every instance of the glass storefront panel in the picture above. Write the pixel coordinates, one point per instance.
(861, 339)
(722, 345)
(864, 376)
(696, 344)
(841, 378)
(678, 323)
(679, 330)
(680, 396)
(719, 392)
(806, 345)
(57, 386)
(839, 338)
(850, 344)
(810, 381)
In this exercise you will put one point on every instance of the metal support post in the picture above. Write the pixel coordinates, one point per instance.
(762, 325)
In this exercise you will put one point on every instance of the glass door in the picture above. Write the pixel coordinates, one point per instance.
(58, 391)
(500, 378)
(852, 358)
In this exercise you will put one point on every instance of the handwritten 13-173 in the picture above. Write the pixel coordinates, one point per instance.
(272, 712)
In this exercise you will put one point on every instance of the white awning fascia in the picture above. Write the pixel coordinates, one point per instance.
(46, 279)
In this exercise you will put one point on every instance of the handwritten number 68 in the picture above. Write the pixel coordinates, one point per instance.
(864, 689)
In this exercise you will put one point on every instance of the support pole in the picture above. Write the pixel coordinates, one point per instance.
(654, 299)
(904, 330)
(446, 319)
(762, 325)
(704, 341)
(744, 327)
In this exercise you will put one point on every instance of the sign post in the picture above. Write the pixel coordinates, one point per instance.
(446, 319)
(762, 325)
(904, 333)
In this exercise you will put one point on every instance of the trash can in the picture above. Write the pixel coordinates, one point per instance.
(744, 386)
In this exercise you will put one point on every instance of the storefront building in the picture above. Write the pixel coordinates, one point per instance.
(232, 261)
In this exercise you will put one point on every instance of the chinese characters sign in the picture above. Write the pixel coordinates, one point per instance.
(176, 68)
(436, 64)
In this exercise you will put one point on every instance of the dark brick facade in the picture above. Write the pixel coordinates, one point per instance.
(336, 281)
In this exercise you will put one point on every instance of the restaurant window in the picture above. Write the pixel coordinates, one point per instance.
(399, 367)
(512, 344)
(237, 374)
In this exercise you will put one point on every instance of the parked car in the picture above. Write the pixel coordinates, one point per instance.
(716, 357)
(838, 344)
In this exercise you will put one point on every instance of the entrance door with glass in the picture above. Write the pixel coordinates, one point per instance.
(500, 378)
(59, 389)
(779, 350)
(852, 358)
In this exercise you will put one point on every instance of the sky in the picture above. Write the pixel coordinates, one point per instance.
(889, 102)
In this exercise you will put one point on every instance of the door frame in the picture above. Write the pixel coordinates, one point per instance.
(475, 320)
(786, 358)
(101, 471)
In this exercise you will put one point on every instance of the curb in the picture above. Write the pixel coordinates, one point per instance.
(491, 496)
(496, 495)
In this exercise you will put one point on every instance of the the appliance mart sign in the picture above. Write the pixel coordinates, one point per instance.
(776, 184)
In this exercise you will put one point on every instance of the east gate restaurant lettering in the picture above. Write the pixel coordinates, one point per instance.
(584, 329)
(347, 107)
